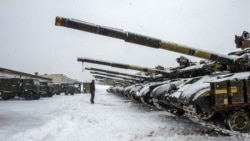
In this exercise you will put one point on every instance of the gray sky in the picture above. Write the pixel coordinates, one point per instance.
(30, 42)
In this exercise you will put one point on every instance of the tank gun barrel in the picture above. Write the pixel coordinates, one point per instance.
(110, 75)
(117, 73)
(123, 66)
(111, 78)
(141, 40)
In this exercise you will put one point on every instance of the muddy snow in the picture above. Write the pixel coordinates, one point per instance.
(111, 118)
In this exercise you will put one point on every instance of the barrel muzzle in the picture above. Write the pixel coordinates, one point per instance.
(58, 21)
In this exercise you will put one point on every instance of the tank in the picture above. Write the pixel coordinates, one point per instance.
(132, 94)
(121, 87)
(177, 72)
(122, 78)
(225, 94)
(142, 92)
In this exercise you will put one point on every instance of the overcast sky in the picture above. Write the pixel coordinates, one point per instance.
(30, 42)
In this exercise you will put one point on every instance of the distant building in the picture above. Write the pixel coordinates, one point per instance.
(59, 78)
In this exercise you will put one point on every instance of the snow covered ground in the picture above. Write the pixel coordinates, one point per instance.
(111, 118)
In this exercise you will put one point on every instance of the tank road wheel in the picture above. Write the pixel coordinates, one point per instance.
(177, 112)
(206, 116)
(238, 121)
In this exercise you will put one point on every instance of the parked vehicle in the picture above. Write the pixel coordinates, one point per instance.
(28, 89)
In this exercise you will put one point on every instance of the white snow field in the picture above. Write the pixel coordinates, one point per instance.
(111, 118)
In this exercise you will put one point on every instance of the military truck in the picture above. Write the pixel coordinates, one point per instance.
(47, 89)
(77, 86)
(57, 88)
(28, 89)
(86, 87)
(68, 88)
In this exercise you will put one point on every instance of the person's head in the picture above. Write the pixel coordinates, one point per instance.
(93, 80)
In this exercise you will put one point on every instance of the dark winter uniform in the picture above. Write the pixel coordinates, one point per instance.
(92, 91)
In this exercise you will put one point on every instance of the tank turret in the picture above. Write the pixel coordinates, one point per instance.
(243, 40)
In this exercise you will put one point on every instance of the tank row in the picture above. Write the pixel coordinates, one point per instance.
(33, 89)
(214, 93)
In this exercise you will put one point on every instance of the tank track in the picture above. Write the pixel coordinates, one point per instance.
(190, 112)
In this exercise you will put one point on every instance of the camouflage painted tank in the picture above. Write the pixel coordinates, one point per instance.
(225, 94)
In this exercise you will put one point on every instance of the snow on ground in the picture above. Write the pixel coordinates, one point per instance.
(111, 118)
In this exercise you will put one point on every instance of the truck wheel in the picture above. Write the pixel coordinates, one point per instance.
(238, 121)
(50, 94)
(37, 96)
(5, 96)
(29, 95)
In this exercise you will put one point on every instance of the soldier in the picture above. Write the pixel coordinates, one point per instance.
(92, 91)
